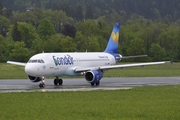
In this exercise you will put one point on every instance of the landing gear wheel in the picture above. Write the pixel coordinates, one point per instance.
(60, 81)
(41, 85)
(97, 83)
(55, 81)
(92, 84)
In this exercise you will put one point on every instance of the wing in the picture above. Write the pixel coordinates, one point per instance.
(117, 66)
(16, 63)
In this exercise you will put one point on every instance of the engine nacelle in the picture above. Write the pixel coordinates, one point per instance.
(34, 79)
(93, 76)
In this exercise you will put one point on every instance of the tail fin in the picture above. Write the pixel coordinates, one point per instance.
(112, 46)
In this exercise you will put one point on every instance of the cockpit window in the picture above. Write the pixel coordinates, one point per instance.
(42, 61)
(36, 61)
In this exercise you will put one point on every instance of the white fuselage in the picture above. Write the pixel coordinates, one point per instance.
(64, 64)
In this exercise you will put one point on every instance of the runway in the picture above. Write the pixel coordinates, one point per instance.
(80, 84)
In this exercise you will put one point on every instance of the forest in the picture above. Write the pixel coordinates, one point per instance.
(33, 26)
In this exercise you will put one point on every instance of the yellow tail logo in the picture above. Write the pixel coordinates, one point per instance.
(115, 37)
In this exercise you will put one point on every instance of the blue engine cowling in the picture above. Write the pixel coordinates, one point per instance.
(34, 79)
(93, 76)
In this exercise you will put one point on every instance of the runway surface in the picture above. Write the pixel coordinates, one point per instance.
(80, 84)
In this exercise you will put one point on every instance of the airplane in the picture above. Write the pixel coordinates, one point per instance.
(90, 64)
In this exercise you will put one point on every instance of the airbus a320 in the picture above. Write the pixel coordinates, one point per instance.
(90, 64)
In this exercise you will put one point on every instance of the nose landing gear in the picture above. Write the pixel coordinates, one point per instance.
(42, 84)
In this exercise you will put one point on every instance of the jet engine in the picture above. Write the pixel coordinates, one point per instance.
(93, 76)
(34, 79)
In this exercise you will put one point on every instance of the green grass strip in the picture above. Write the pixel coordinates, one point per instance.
(141, 103)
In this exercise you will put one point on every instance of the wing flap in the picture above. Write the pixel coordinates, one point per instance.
(16, 63)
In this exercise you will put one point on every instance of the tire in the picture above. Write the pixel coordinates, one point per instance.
(60, 81)
(41, 85)
(55, 81)
(97, 83)
(92, 84)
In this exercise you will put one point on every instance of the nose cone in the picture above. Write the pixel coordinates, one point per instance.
(31, 69)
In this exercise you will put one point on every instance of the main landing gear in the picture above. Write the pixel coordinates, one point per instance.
(42, 84)
(58, 81)
(97, 83)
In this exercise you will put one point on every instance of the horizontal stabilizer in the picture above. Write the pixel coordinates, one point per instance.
(126, 57)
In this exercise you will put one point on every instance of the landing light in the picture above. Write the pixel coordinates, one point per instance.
(82, 73)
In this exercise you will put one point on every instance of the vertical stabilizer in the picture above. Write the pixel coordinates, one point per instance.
(112, 46)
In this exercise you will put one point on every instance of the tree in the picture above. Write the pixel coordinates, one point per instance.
(1, 8)
(79, 13)
(20, 52)
(89, 27)
(89, 12)
(46, 29)
(67, 44)
(156, 52)
(16, 35)
(136, 47)
(8, 13)
(4, 25)
(92, 44)
(59, 44)
(7, 45)
(169, 39)
(3, 48)
(80, 41)
(25, 32)
(69, 30)
(58, 18)
(87, 43)
(28, 17)
(38, 46)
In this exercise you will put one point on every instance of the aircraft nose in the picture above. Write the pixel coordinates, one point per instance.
(30, 70)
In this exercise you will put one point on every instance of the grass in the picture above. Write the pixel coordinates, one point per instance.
(164, 70)
(153, 102)
(8, 71)
(141, 103)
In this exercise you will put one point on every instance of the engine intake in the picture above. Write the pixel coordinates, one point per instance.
(93, 76)
(34, 79)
